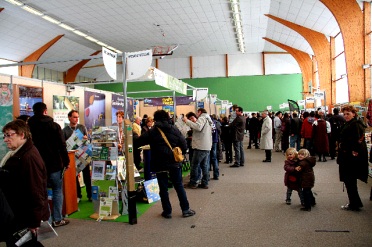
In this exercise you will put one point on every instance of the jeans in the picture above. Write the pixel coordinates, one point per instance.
(175, 176)
(239, 153)
(295, 140)
(214, 161)
(300, 195)
(55, 182)
(199, 159)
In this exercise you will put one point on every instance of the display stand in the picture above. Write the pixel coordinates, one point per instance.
(105, 149)
(70, 204)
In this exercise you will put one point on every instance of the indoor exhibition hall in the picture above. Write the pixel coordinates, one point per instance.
(185, 123)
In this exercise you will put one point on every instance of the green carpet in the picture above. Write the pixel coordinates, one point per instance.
(86, 208)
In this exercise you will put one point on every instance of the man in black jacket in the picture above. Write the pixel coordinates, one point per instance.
(163, 162)
(48, 139)
(253, 127)
(237, 132)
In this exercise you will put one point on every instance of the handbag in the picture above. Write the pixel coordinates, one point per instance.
(177, 152)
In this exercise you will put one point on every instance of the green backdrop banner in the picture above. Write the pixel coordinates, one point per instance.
(253, 93)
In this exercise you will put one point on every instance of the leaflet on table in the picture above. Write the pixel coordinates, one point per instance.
(83, 157)
(98, 169)
(105, 206)
(76, 140)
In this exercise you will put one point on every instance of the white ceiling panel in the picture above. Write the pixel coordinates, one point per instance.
(198, 27)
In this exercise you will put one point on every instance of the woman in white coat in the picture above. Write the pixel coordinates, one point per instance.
(266, 142)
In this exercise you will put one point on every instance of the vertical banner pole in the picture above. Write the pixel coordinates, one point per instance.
(174, 107)
(128, 140)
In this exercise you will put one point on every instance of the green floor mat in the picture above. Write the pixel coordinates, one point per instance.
(86, 208)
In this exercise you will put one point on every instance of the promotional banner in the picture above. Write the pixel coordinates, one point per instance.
(167, 81)
(138, 63)
(109, 60)
(118, 105)
(94, 110)
(61, 107)
(170, 109)
(28, 96)
(181, 100)
(6, 111)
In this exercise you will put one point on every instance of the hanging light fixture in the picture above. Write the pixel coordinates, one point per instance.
(238, 25)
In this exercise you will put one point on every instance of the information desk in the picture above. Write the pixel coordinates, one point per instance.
(70, 204)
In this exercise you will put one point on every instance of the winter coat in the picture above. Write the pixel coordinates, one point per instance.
(225, 133)
(237, 129)
(24, 184)
(296, 125)
(50, 142)
(352, 139)
(291, 176)
(254, 125)
(320, 137)
(307, 127)
(266, 141)
(307, 172)
(162, 157)
(202, 132)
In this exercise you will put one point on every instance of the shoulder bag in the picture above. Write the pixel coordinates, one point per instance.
(177, 152)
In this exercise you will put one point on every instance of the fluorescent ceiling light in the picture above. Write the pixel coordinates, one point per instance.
(80, 33)
(32, 10)
(101, 43)
(50, 19)
(91, 39)
(15, 2)
(67, 27)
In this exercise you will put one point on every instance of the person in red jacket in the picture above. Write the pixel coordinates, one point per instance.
(307, 130)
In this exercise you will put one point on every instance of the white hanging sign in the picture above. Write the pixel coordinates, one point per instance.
(224, 103)
(301, 102)
(138, 63)
(200, 93)
(319, 95)
(310, 100)
(109, 60)
(213, 98)
(167, 81)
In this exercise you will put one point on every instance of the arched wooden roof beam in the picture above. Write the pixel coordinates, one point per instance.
(303, 59)
(27, 70)
(321, 47)
(71, 73)
(350, 20)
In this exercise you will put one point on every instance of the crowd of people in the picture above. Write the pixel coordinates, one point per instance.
(38, 156)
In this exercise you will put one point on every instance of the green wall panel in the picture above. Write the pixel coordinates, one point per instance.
(253, 93)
